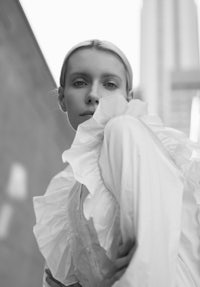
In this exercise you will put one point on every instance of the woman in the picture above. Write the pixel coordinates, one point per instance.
(127, 175)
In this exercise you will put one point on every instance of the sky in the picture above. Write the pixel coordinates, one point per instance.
(59, 24)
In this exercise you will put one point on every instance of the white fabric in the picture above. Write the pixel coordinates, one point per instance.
(129, 159)
(53, 230)
(149, 189)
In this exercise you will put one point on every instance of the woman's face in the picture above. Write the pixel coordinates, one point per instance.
(91, 75)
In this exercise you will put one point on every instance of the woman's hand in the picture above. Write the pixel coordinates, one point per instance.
(123, 258)
(124, 255)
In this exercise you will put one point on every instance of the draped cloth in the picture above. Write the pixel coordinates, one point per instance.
(143, 182)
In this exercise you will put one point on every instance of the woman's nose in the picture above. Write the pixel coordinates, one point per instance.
(92, 97)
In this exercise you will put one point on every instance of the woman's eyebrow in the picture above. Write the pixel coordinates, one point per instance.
(78, 74)
(111, 75)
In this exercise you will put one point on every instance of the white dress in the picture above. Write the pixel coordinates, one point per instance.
(144, 182)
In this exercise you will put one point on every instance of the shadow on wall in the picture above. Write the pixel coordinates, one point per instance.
(33, 135)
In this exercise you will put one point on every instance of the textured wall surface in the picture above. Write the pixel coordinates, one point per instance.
(33, 134)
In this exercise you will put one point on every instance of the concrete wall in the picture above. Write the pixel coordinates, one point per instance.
(33, 134)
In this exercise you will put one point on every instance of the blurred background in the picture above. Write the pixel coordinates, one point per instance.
(161, 40)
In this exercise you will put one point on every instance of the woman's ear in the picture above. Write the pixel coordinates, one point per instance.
(130, 95)
(61, 99)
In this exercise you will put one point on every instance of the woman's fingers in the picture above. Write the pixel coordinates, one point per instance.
(122, 261)
(125, 254)
(113, 276)
(125, 248)
(52, 282)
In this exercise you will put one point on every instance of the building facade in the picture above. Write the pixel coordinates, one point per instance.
(170, 70)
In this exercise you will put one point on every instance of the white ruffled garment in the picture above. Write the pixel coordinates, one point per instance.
(143, 181)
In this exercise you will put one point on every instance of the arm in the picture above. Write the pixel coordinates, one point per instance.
(124, 256)
(125, 253)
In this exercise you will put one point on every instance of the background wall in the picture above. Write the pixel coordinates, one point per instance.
(33, 134)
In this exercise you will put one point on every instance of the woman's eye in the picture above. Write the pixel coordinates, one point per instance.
(79, 83)
(110, 85)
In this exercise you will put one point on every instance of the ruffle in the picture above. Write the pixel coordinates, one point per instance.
(84, 154)
(83, 157)
(53, 229)
(68, 242)
(185, 154)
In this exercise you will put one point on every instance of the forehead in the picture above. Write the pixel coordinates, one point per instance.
(95, 61)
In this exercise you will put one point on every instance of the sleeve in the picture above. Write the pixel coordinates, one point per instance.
(54, 229)
(149, 188)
